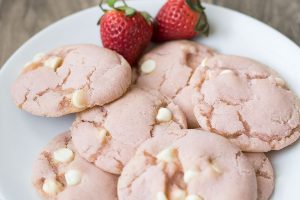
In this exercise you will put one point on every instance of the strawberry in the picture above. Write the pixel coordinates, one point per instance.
(125, 30)
(180, 19)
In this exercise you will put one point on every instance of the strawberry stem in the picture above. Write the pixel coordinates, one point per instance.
(100, 5)
(125, 8)
(202, 24)
(124, 2)
(103, 10)
(147, 17)
(195, 5)
(129, 11)
(111, 3)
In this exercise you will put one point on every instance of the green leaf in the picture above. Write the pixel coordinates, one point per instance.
(100, 5)
(121, 8)
(129, 11)
(124, 2)
(147, 17)
(111, 3)
(99, 21)
(195, 5)
(202, 26)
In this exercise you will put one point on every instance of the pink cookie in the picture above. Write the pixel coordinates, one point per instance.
(71, 79)
(246, 102)
(264, 174)
(109, 135)
(168, 68)
(60, 173)
(188, 164)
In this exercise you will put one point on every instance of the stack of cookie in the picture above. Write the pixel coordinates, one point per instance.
(187, 124)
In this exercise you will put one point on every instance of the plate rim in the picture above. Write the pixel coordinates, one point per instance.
(6, 63)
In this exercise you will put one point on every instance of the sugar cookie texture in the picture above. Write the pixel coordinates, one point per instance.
(168, 68)
(264, 174)
(60, 173)
(70, 79)
(246, 102)
(188, 164)
(109, 135)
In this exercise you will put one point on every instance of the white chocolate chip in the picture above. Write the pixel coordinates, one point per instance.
(279, 81)
(193, 197)
(189, 175)
(63, 155)
(78, 99)
(102, 135)
(167, 155)
(73, 177)
(164, 115)
(31, 65)
(38, 57)
(215, 168)
(210, 74)
(51, 187)
(148, 66)
(28, 64)
(204, 62)
(178, 194)
(53, 62)
(188, 49)
(161, 196)
(226, 71)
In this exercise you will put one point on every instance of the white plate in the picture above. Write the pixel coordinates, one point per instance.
(23, 135)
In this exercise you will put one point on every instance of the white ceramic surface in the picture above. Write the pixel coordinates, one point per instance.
(23, 135)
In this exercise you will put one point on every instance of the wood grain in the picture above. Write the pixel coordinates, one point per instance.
(283, 15)
(21, 19)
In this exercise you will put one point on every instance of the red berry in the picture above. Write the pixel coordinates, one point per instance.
(180, 19)
(129, 35)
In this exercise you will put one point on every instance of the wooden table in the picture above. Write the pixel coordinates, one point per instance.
(21, 19)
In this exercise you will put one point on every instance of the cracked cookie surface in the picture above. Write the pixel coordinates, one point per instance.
(71, 79)
(168, 68)
(264, 174)
(246, 102)
(60, 173)
(188, 164)
(109, 135)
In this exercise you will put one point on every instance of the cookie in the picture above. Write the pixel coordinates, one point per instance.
(168, 68)
(70, 79)
(60, 173)
(264, 174)
(109, 135)
(246, 102)
(188, 164)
